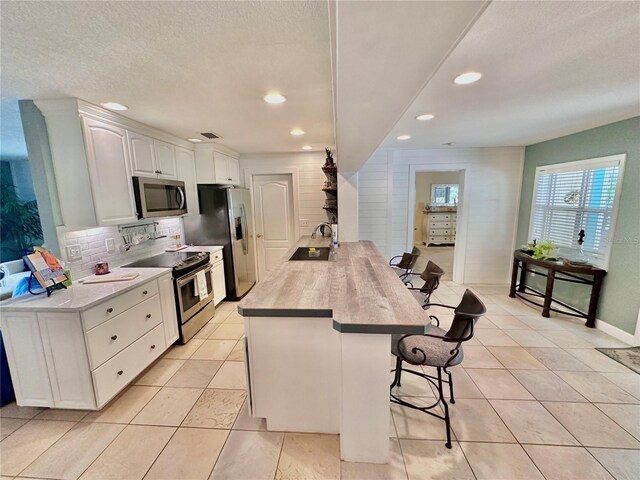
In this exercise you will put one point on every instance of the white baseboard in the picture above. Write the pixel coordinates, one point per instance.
(615, 332)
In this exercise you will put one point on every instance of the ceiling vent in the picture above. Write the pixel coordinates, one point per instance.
(210, 135)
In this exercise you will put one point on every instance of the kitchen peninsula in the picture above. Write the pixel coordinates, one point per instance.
(318, 343)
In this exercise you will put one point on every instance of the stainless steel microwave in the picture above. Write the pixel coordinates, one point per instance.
(158, 197)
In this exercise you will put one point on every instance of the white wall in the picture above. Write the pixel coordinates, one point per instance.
(490, 203)
(424, 180)
(310, 198)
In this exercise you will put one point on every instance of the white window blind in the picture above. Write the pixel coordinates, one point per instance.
(577, 196)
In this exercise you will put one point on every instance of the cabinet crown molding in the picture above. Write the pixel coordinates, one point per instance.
(69, 105)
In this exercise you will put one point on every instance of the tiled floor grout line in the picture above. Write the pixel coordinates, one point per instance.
(397, 438)
(50, 446)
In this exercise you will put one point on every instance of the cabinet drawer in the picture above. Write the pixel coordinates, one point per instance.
(109, 309)
(115, 374)
(112, 336)
(440, 224)
(442, 231)
(440, 216)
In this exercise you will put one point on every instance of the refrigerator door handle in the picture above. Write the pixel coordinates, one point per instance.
(245, 230)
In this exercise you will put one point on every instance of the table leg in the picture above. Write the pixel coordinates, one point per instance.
(514, 278)
(364, 430)
(523, 277)
(593, 301)
(548, 293)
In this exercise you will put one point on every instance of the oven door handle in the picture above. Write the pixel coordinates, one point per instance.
(189, 277)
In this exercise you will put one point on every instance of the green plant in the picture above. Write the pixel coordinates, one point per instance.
(19, 221)
(544, 250)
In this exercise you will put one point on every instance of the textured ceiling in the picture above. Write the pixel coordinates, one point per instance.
(386, 51)
(184, 67)
(549, 69)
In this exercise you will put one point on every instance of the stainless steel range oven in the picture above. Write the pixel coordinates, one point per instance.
(194, 309)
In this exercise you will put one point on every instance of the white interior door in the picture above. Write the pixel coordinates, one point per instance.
(273, 196)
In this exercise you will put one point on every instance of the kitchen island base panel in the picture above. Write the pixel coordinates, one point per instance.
(304, 376)
(294, 373)
(364, 426)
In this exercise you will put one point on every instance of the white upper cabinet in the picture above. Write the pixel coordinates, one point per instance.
(95, 153)
(221, 168)
(186, 167)
(150, 157)
(205, 172)
(108, 162)
(165, 160)
(216, 167)
(143, 162)
(233, 169)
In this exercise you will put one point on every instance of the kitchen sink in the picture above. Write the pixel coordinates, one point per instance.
(302, 253)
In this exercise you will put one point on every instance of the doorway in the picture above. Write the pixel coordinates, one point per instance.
(274, 219)
(435, 225)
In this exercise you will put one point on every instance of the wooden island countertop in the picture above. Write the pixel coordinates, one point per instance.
(358, 290)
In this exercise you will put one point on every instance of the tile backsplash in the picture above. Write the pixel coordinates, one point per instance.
(94, 249)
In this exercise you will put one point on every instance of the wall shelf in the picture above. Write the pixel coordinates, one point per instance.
(331, 191)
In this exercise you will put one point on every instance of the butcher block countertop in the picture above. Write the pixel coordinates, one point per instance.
(358, 290)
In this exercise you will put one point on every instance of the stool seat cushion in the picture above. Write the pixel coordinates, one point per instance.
(436, 351)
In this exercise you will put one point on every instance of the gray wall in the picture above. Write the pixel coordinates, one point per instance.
(620, 298)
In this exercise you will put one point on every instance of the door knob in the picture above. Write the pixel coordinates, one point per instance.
(259, 235)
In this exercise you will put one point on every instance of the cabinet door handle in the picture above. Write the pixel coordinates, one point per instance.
(229, 179)
(148, 315)
(120, 372)
(109, 310)
(144, 292)
(157, 171)
(114, 337)
(152, 347)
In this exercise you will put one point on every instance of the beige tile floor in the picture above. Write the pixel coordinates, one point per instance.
(535, 400)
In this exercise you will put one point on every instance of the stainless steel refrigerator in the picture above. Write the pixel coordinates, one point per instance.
(225, 220)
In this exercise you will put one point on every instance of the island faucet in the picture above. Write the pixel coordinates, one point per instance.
(313, 235)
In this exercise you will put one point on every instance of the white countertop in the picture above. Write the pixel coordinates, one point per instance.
(202, 248)
(80, 296)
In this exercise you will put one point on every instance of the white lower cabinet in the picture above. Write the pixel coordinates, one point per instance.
(83, 359)
(219, 287)
(168, 304)
(27, 363)
(114, 375)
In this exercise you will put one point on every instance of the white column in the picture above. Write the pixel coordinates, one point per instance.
(364, 428)
(348, 207)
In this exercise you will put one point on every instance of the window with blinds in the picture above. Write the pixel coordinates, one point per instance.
(576, 196)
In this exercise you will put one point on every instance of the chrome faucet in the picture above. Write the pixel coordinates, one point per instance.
(313, 235)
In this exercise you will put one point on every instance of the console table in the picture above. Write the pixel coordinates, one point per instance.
(556, 270)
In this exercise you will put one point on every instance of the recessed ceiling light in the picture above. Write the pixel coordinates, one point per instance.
(297, 132)
(275, 98)
(425, 116)
(404, 137)
(467, 77)
(194, 140)
(307, 147)
(118, 107)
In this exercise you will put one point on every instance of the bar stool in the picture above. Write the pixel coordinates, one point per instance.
(431, 276)
(404, 267)
(440, 349)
